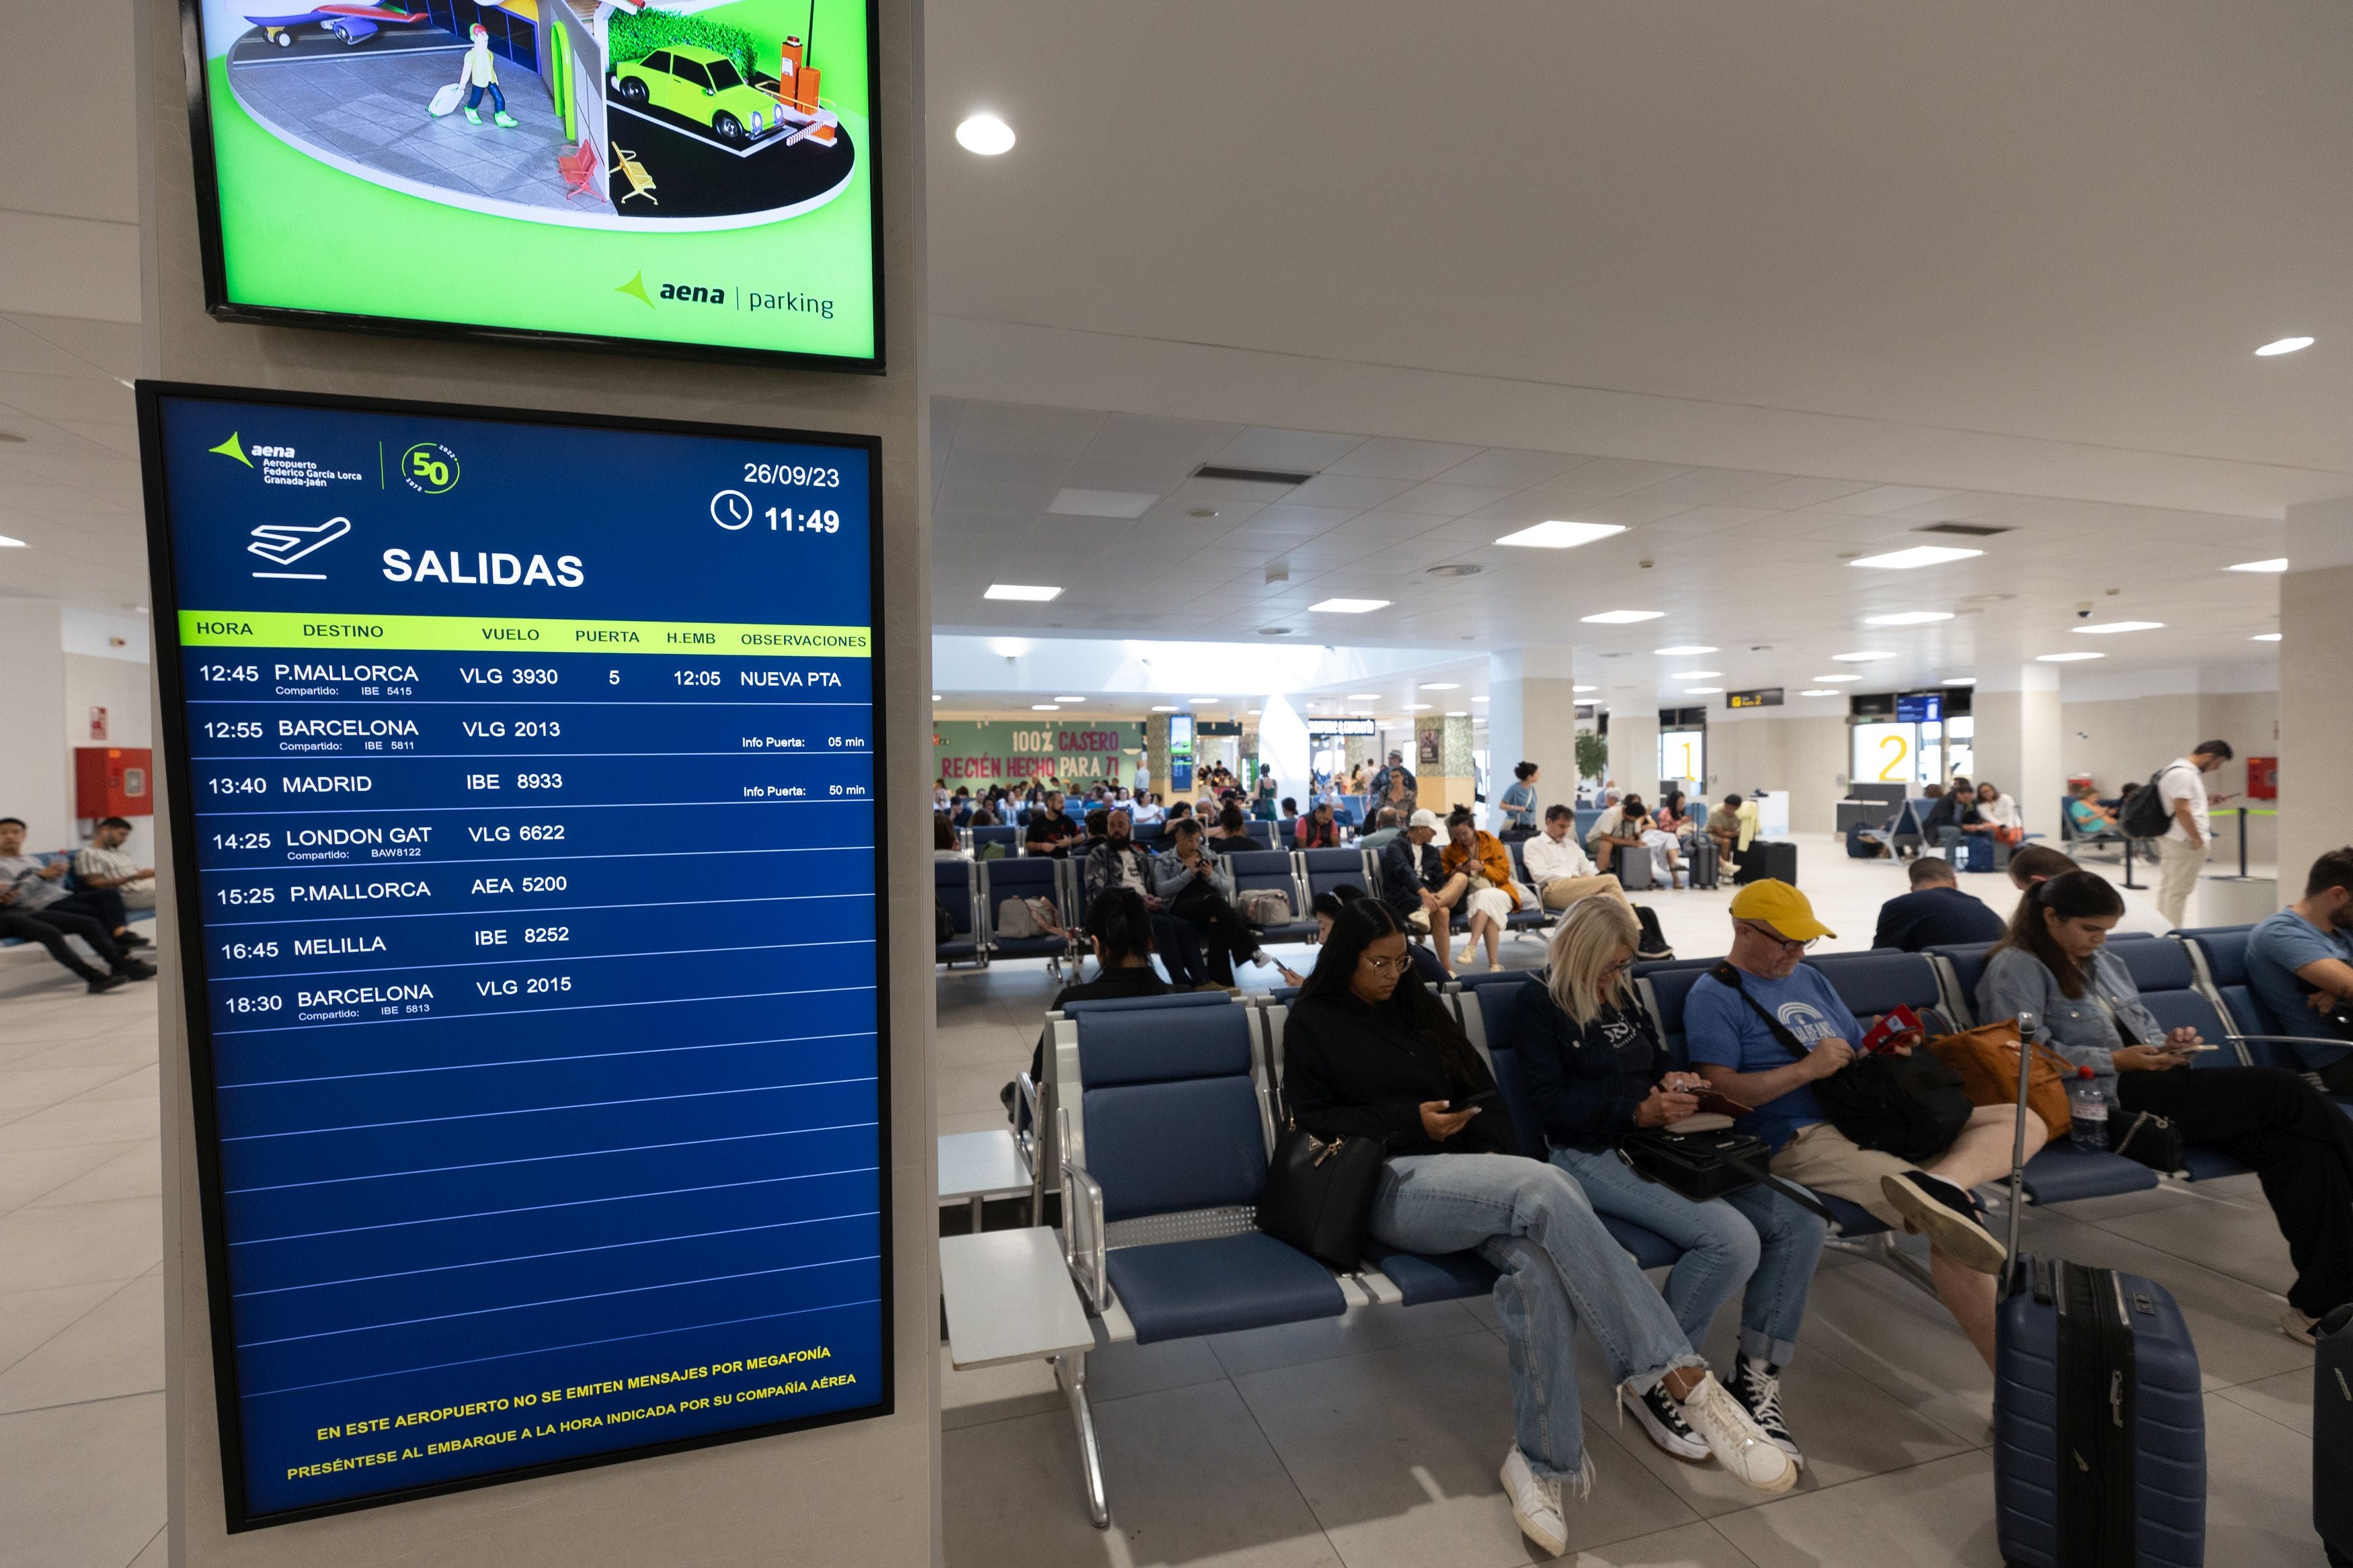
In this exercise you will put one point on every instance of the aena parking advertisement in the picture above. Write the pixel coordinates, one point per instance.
(690, 172)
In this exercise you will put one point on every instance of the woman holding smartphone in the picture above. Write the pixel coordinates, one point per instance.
(1596, 1071)
(1369, 1053)
(2054, 962)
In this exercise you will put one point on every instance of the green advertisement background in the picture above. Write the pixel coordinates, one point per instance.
(298, 233)
(967, 740)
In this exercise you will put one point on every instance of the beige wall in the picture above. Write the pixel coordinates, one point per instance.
(2131, 738)
(861, 1494)
(1807, 756)
(2315, 741)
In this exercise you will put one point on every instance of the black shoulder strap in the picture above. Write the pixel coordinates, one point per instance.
(1725, 974)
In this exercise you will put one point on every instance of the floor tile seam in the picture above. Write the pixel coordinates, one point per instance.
(127, 1147)
(109, 1083)
(80, 1403)
(120, 1287)
(2259, 1414)
(1906, 1397)
(2206, 1269)
(1233, 1376)
(1306, 1505)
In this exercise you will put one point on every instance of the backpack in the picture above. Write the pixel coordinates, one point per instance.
(2146, 815)
(943, 921)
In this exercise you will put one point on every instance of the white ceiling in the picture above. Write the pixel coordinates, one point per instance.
(69, 462)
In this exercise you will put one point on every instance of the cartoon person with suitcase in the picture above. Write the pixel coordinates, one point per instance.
(479, 76)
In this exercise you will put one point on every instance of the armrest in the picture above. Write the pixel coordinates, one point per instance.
(1082, 1194)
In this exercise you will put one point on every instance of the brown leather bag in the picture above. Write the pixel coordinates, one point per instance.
(1986, 1058)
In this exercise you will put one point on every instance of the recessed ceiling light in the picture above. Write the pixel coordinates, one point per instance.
(1825, 691)
(1585, 688)
(1274, 631)
(1010, 647)
(1908, 619)
(1458, 713)
(1958, 680)
(2265, 637)
(1364, 697)
(1441, 686)
(1478, 699)
(1691, 675)
(1827, 678)
(1683, 650)
(2277, 564)
(1701, 690)
(1198, 701)
(2103, 628)
(1253, 709)
(1070, 700)
(1202, 511)
(2279, 346)
(1416, 707)
(935, 696)
(8, 543)
(1918, 555)
(1561, 535)
(1456, 569)
(1866, 656)
(1043, 708)
(1030, 593)
(985, 134)
(1989, 599)
(1101, 503)
(2065, 658)
(1623, 618)
(1168, 710)
(1347, 606)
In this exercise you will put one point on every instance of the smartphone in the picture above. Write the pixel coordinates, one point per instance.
(2190, 1050)
(1476, 1101)
(1890, 1027)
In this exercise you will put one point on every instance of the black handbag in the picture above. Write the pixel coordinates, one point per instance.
(2155, 1141)
(1319, 1195)
(1912, 1107)
(1705, 1165)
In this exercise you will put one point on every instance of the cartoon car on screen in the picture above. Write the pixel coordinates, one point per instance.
(349, 20)
(700, 84)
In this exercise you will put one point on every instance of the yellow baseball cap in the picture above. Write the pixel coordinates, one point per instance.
(1778, 904)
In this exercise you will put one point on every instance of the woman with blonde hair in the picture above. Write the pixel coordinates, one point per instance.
(1595, 1071)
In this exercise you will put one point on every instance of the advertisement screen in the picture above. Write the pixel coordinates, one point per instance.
(696, 174)
(522, 778)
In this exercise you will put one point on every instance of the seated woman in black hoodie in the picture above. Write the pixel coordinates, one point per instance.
(1369, 1053)
(1120, 930)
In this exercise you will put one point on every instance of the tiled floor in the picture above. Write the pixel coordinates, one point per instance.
(1369, 1440)
(1372, 1441)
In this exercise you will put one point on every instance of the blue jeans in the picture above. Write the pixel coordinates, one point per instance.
(497, 99)
(1756, 1236)
(1560, 1268)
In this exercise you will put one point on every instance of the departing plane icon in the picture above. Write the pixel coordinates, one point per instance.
(283, 543)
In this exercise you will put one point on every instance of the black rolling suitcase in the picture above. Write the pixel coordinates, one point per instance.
(1764, 857)
(2332, 1436)
(1703, 864)
(2099, 1419)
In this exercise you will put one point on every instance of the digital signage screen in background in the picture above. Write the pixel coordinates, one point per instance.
(692, 174)
(523, 778)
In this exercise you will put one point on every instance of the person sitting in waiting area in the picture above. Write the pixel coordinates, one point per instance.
(1326, 909)
(1724, 826)
(1416, 886)
(1117, 860)
(1232, 831)
(1386, 827)
(2055, 965)
(1666, 852)
(1616, 830)
(1594, 1072)
(1051, 831)
(1319, 829)
(2300, 967)
(1369, 1053)
(1197, 886)
(1954, 814)
(1118, 929)
(1148, 809)
(33, 907)
(946, 846)
(1766, 1040)
(2038, 863)
(2086, 816)
(1516, 810)
(33, 887)
(102, 863)
(1935, 913)
(1999, 816)
(1488, 902)
(1557, 867)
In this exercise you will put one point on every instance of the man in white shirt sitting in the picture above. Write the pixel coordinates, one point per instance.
(104, 864)
(1559, 867)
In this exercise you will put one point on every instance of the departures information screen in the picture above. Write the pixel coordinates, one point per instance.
(524, 772)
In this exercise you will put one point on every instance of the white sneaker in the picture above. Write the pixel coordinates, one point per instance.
(1739, 1445)
(1537, 1505)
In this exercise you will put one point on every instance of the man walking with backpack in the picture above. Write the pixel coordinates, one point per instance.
(2172, 809)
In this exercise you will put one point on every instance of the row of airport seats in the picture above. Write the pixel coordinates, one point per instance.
(971, 891)
(56, 857)
(1158, 1115)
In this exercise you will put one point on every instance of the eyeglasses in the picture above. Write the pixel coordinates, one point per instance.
(1388, 965)
(1621, 967)
(1768, 934)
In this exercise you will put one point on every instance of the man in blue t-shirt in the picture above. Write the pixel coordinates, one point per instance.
(2300, 967)
(1763, 1029)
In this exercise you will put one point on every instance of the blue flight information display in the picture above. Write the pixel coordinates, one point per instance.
(523, 772)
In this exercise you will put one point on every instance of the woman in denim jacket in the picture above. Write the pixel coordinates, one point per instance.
(2055, 965)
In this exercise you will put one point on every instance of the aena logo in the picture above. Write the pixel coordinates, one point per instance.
(229, 448)
(284, 543)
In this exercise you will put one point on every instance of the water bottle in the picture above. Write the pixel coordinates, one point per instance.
(2090, 1109)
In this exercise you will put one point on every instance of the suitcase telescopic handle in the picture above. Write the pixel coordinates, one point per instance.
(2018, 1146)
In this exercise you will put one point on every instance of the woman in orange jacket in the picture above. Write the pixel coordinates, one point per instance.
(1482, 857)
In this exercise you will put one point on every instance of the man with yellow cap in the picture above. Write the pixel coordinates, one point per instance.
(1764, 1028)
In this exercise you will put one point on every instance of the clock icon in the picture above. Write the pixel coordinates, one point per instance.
(731, 510)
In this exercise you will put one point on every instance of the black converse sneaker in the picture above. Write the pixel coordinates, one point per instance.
(1948, 1217)
(1757, 1385)
(1660, 1415)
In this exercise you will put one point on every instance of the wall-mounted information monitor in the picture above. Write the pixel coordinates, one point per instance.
(522, 773)
(696, 177)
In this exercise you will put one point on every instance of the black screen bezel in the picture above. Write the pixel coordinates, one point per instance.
(188, 908)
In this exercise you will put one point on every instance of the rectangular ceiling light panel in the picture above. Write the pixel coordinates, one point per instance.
(1561, 535)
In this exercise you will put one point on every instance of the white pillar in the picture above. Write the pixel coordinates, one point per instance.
(1532, 718)
(2316, 711)
(2019, 727)
(36, 766)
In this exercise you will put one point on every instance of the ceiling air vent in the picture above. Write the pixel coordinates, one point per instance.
(1250, 476)
(1966, 530)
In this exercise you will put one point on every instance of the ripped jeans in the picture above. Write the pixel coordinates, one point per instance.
(1560, 1269)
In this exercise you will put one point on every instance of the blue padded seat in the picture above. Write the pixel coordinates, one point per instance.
(1329, 869)
(1256, 869)
(1181, 1288)
(1121, 1043)
(1968, 962)
(2205, 1164)
(1027, 878)
(951, 885)
(2224, 949)
(2155, 965)
(1162, 1148)
(1854, 1219)
(1001, 833)
(1873, 983)
(2063, 1173)
(1447, 1277)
